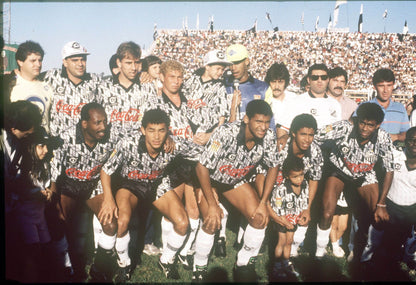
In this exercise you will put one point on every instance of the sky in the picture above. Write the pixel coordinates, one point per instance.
(102, 26)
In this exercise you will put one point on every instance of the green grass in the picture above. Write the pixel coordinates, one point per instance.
(330, 269)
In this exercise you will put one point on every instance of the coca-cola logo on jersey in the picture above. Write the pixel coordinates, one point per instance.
(132, 115)
(83, 174)
(235, 172)
(135, 174)
(70, 110)
(183, 132)
(196, 104)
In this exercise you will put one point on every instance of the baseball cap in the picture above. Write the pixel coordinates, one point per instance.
(73, 48)
(215, 56)
(236, 53)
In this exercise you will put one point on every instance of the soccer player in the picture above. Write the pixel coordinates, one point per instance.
(72, 87)
(121, 95)
(75, 177)
(287, 202)
(143, 163)
(228, 161)
(356, 147)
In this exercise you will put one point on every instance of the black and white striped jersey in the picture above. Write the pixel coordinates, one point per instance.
(228, 158)
(78, 161)
(135, 163)
(207, 102)
(69, 98)
(349, 156)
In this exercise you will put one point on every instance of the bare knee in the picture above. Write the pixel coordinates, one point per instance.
(123, 224)
(256, 222)
(110, 228)
(181, 225)
(326, 219)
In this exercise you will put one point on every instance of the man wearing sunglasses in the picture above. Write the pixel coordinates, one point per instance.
(325, 109)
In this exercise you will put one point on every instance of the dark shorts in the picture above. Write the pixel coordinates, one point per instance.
(401, 215)
(78, 190)
(342, 210)
(142, 190)
(281, 229)
(348, 181)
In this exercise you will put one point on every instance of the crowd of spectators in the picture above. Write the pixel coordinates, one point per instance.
(361, 54)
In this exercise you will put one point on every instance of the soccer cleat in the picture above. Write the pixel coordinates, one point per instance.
(338, 251)
(170, 270)
(123, 274)
(200, 274)
(220, 250)
(151, 249)
(290, 270)
(187, 261)
(245, 273)
(320, 252)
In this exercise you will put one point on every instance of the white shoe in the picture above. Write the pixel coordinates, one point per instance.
(320, 252)
(338, 251)
(151, 249)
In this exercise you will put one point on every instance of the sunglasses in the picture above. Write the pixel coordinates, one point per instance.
(316, 77)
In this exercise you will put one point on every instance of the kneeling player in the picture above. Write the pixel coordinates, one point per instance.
(228, 161)
(142, 163)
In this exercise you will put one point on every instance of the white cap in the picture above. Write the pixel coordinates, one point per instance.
(215, 56)
(73, 48)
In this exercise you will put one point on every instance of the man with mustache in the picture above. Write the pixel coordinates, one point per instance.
(72, 87)
(338, 79)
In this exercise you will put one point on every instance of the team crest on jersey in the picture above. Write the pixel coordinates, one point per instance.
(73, 160)
(257, 97)
(313, 111)
(60, 90)
(289, 205)
(232, 156)
(215, 146)
(113, 100)
(134, 163)
(345, 149)
(397, 166)
(328, 128)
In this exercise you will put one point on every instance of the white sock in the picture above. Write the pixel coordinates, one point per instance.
(166, 227)
(174, 243)
(335, 244)
(203, 246)
(322, 238)
(97, 228)
(193, 224)
(298, 238)
(373, 242)
(107, 242)
(122, 248)
(253, 238)
(223, 222)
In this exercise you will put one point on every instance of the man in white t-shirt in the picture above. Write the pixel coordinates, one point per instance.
(26, 85)
(325, 109)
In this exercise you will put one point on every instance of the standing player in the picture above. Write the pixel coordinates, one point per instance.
(287, 202)
(75, 177)
(229, 160)
(24, 83)
(207, 97)
(143, 162)
(121, 94)
(72, 87)
(356, 146)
